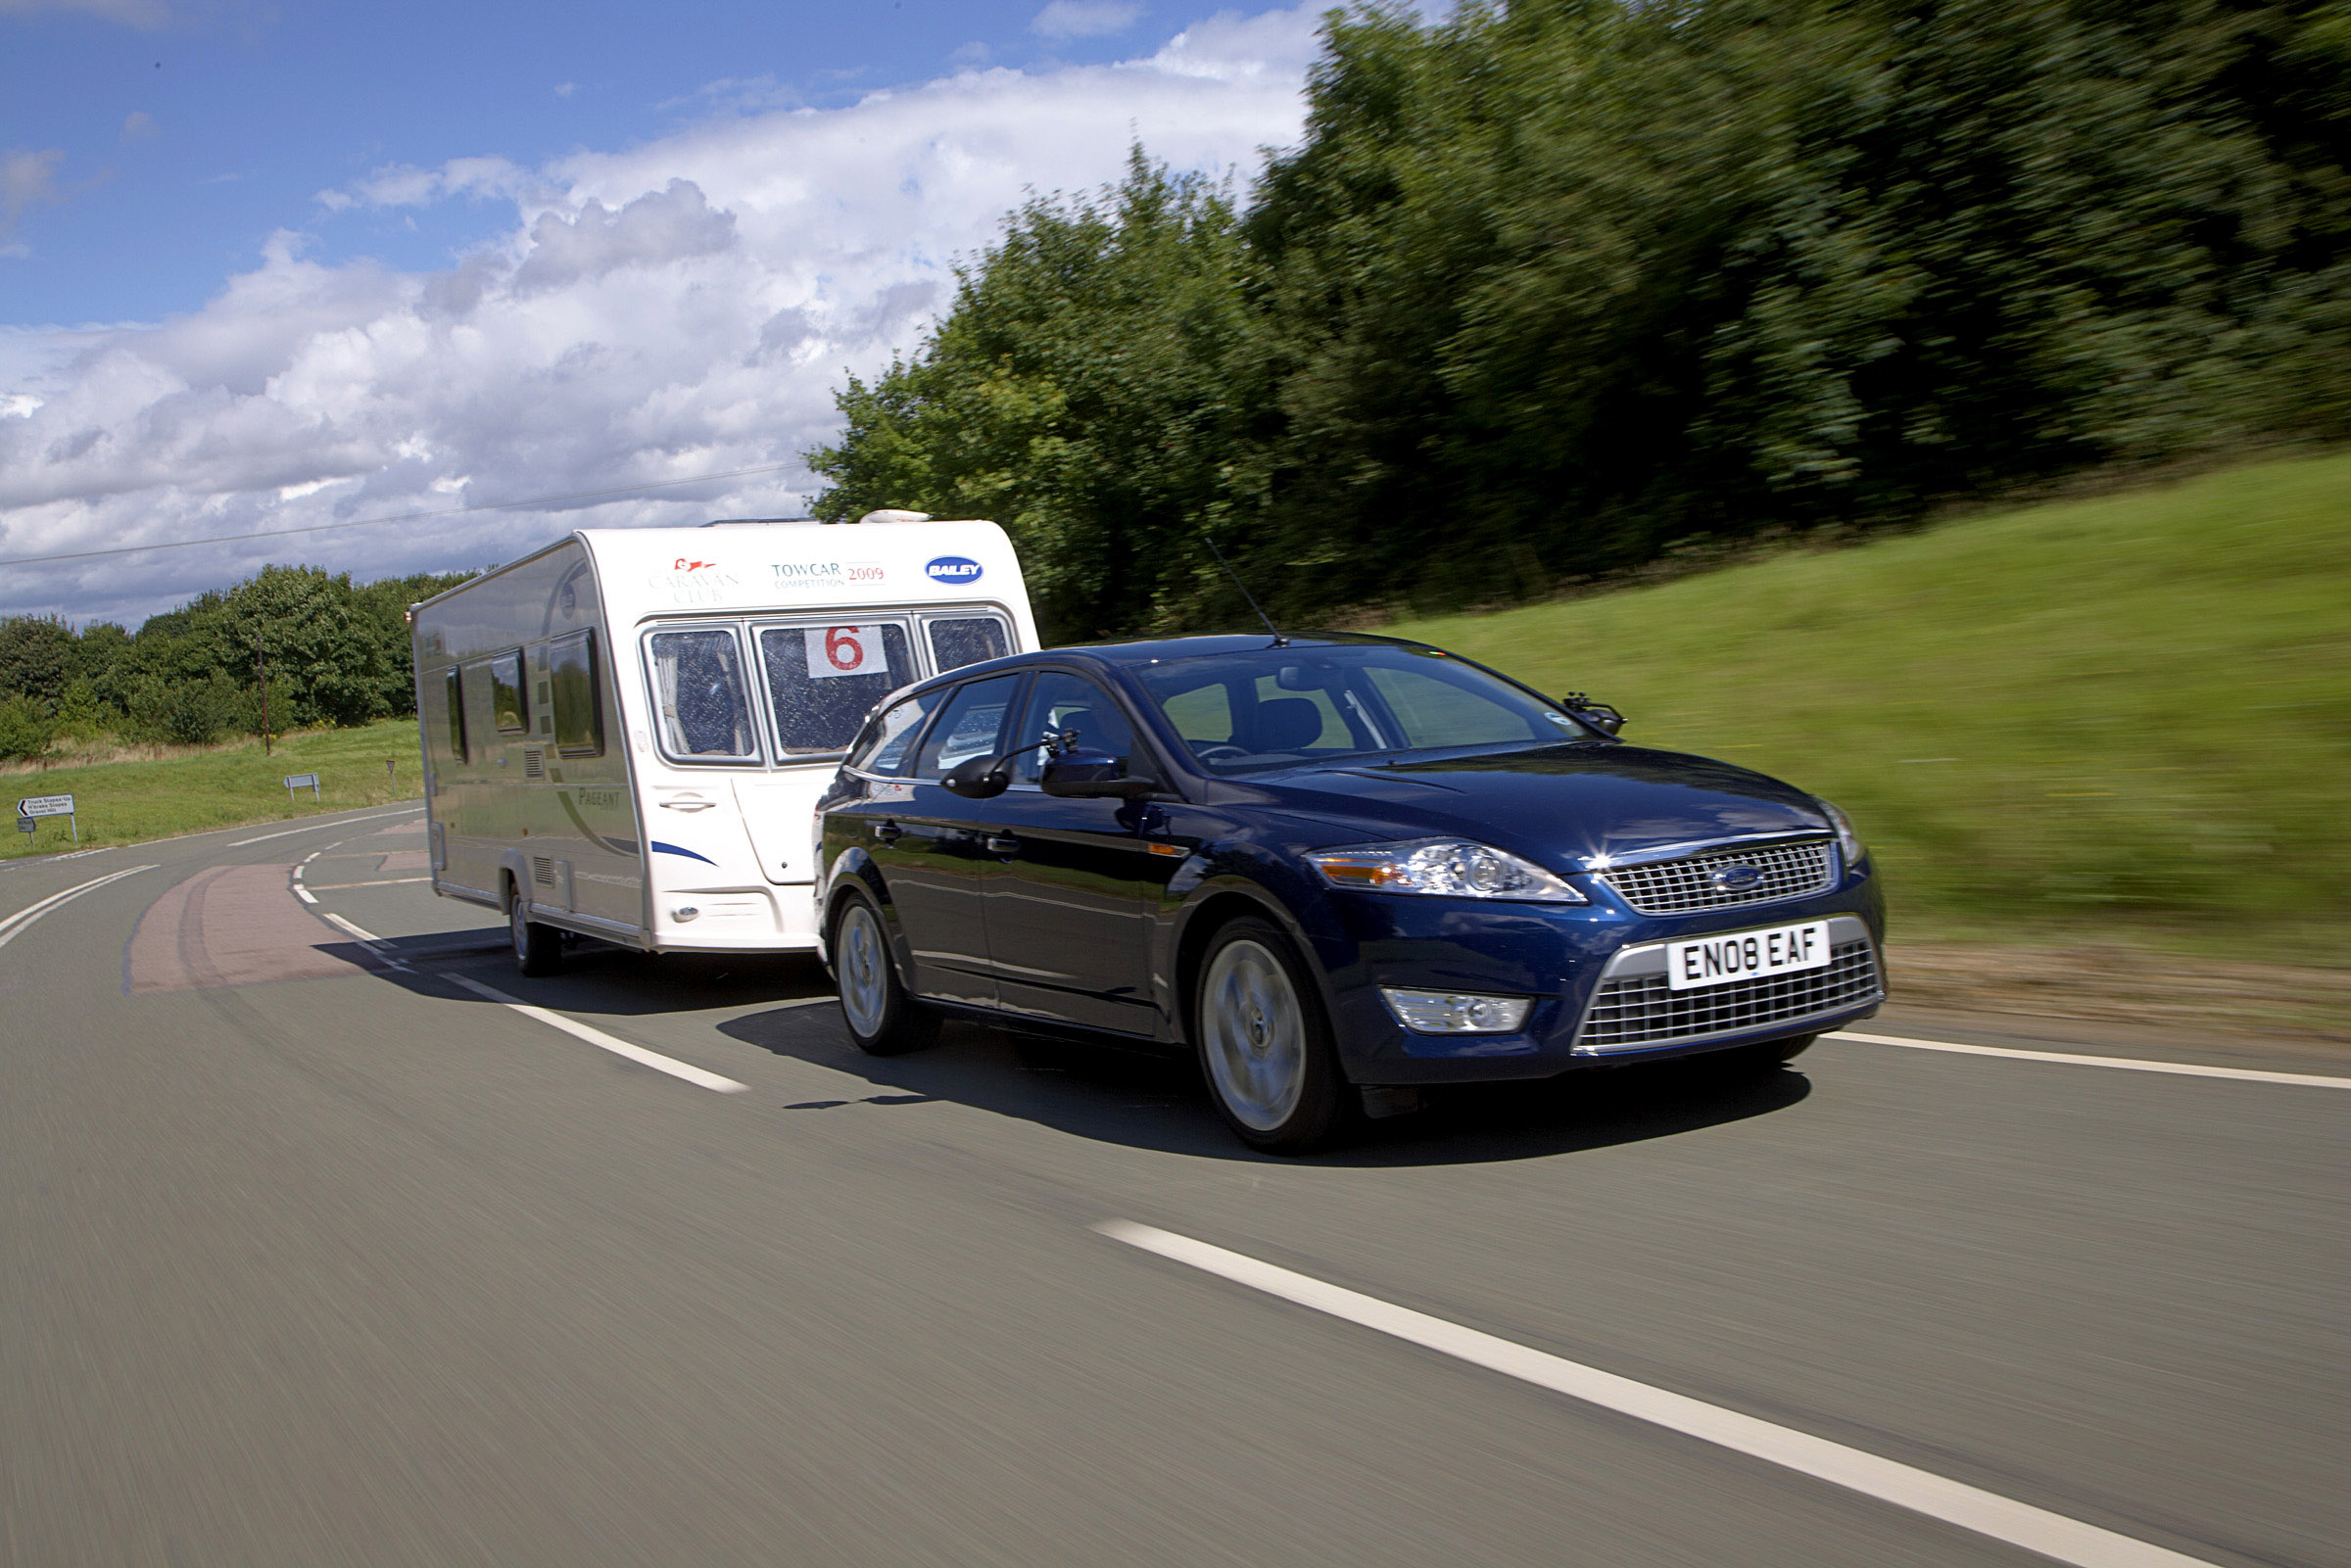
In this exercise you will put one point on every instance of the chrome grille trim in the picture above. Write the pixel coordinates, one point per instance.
(1686, 885)
(1634, 1009)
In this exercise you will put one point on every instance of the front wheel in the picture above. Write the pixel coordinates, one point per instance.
(537, 949)
(881, 1016)
(1265, 1045)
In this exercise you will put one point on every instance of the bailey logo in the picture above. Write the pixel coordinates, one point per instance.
(955, 569)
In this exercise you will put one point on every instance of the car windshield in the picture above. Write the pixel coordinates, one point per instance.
(1278, 707)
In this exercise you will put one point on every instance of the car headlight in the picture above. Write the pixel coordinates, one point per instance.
(1448, 868)
(1849, 841)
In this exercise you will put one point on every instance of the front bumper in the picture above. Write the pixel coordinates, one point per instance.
(1598, 976)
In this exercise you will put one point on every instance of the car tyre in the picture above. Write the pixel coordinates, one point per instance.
(537, 949)
(879, 1014)
(1265, 1044)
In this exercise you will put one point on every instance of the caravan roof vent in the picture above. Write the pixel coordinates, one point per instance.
(890, 515)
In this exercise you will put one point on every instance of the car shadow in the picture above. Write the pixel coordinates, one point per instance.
(1149, 1100)
(619, 982)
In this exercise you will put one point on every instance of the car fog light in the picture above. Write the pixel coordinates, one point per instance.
(1457, 1012)
(685, 912)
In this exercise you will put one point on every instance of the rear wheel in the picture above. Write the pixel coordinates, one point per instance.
(537, 949)
(1265, 1045)
(881, 1016)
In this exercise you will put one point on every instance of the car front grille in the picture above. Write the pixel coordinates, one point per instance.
(1641, 1010)
(1695, 882)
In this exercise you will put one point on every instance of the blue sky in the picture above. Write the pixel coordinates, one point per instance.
(262, 267)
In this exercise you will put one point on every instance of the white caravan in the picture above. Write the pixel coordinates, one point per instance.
(625, 735)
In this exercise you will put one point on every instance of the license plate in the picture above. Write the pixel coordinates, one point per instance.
(1746, 955)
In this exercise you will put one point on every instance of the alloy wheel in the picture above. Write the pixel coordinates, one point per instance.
(1255, 1030)
(863, 967)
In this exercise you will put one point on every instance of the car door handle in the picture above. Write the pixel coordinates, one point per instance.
(690, 803)
(1001, 844)
(889, 832)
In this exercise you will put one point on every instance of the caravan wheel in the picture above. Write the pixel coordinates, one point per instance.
(537, 949)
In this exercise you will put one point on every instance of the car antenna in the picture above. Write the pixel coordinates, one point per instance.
(1279, 640)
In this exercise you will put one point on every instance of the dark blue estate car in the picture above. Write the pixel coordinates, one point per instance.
(1339, 866)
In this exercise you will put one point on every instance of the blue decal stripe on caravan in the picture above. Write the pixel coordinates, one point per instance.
(661, 849)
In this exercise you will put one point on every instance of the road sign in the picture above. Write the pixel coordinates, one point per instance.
(25, 825)
(45, 806)
(303, 781)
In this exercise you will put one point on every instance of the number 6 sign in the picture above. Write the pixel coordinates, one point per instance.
(844, 651)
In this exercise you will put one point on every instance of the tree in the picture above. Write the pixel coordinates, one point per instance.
(37, 659)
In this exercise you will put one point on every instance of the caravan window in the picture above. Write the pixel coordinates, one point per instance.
(579, 697)
(822, 680)
(705, 707)
(452, 698)
(962, 640)
(507, 705)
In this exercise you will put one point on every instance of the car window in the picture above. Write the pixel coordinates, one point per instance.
(962, 640)
(1060, 701)
(1434, 712)
(969, 728)
(1333, 735)
(822, 680)
(890, 739)
(1282, 706)
(1204, 714)
(704, 707)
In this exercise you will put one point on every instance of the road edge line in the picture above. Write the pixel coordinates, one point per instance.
(2120, 1064)
(24, 920)
(698, 1076)
(1921, 1492)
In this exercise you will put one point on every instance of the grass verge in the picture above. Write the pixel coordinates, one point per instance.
(2122, 719)
(220, 787)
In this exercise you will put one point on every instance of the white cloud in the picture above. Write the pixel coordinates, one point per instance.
(27, 180)
(1085, 18)
(137, 126)
(681, 308)
(564, 89)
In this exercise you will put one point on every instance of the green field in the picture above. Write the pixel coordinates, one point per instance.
(2122, 718)
(228, 787)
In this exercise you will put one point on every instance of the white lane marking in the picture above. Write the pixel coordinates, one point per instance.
(312, 827)
(306, 858)
(612, 1043)
(806, 1000)
(367, 938)
(16, 925)
(304, 894)
(381, 881)
(2121, 1064)
(1987, 1513)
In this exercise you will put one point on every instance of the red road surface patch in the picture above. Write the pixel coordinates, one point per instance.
(234, 925)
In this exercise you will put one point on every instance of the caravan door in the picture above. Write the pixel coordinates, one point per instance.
(821, 679)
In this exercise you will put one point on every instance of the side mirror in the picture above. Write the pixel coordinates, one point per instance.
(1084, 774)
(978, 779)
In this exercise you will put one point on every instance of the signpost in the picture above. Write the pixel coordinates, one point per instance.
(303, 781)
(34, 807)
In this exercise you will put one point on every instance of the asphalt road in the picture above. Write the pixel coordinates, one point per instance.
(310, 1253)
